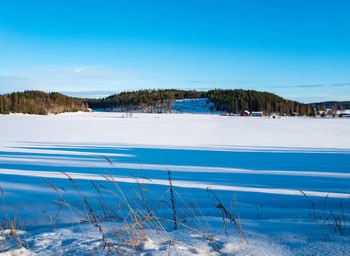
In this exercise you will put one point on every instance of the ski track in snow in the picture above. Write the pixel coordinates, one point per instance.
(176, 183)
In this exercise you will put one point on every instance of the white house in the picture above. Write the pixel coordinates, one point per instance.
(257, 113)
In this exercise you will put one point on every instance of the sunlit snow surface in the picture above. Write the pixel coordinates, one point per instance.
(269, 163)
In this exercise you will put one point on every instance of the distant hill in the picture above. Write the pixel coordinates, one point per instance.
(219, 100)
(330, 104)
(41, 103)
(145, 100)
(154, 101)
(236, 100)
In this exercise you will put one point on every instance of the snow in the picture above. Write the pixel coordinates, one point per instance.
(198, 106)
(177, 183)
(9, 231)
(176, 130)
(346, 111)
(287, 173)
(18, 252)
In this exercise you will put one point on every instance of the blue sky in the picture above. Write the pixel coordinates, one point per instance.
(299, 49)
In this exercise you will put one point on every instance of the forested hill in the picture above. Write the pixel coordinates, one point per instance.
(233, 101)
(236, 100)
(38, 102)
(146, 100)
(331, 105)
(223, 100)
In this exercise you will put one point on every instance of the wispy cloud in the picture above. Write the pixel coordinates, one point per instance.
(218, 82)
(341, 84)
(301, 86)
(313, 85)
(68, 78)
(11, 78)
(311, 98)
(10, 83)
(80, 69)
(198, 82)
(89, 94)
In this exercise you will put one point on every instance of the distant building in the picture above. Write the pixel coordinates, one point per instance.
(257, 113)
(343, 113)
(274, 114)
(229, 114)
(245, 113)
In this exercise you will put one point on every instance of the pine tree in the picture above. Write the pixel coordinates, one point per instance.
(1, 105)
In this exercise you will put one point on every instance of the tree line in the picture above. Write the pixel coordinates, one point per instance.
(234, 101)
(333, 105)
(145, 100)
(40, 103)
(155, 101)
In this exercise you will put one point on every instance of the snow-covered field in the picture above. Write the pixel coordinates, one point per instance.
(290, 177)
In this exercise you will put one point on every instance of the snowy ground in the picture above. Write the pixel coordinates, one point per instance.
(291, 178)
(194, 106)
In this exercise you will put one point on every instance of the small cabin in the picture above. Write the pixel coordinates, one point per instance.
(245, 113)
(257, 113)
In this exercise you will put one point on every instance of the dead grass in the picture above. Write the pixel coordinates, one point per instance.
(125, 219)
(330, 220)
(12, 231)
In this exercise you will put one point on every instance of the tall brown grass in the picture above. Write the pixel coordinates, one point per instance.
(125, 219)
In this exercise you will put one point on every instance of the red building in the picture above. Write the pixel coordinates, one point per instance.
(245, 113)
